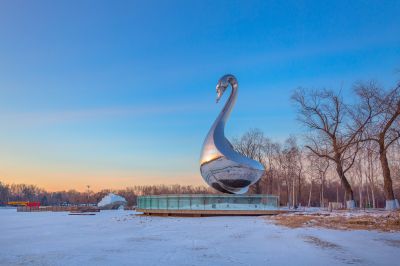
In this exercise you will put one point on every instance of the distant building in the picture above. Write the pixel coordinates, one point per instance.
(112, 202)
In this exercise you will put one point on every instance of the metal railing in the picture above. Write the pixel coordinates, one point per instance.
(208, 202)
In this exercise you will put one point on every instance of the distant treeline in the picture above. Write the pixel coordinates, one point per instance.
(23, 192)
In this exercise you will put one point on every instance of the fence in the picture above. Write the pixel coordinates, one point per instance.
(208, 202)
(57, 209)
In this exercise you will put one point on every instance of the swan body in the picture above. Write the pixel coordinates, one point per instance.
(221, 166)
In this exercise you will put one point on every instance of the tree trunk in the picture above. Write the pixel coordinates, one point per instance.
(309, 196)
(288, 192)
(387, 179)
(337, 193)
(346, 184)
(322, 193)
(293, 193)
(299, 189)
(270, 181)
(373, 196)
(257, 187)
(360, 189)
(368, 198)
(371, 180)
(279, 190)
(321, 196)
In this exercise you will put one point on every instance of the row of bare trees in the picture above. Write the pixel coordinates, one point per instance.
(300, 177)
(23, 192)
(355, 142)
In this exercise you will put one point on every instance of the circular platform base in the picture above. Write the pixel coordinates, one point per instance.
(208, 205)
(208, 213)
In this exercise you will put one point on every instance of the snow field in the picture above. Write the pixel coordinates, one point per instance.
(125, 238)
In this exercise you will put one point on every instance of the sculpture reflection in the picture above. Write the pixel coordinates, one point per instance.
(220, 165)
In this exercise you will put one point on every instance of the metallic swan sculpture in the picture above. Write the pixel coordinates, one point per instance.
(221, 166)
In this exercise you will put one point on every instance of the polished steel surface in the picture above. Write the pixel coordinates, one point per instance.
(221, 166)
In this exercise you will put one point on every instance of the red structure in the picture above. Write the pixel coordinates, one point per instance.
(33, 204)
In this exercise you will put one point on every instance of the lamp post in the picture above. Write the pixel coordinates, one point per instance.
(88, 187)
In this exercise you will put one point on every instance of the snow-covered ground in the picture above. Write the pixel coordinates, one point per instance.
(124, 238)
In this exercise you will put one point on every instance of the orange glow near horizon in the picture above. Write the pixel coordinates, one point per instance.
(66, 181)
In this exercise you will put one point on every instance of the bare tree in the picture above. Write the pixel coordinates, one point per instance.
(280, 167)
(253, 145)
(395, 165)
(4, 193)
(384, 127)
(370, 170)
(319, 166)
(292, 168)
(271, 151)
(333, 133)
(358, 177)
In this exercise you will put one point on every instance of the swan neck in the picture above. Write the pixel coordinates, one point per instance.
(226, 111)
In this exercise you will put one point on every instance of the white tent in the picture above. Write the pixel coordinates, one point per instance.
(111, 201)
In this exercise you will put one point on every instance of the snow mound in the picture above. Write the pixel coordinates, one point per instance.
(111, 201)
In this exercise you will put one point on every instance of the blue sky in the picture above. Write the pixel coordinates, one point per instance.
(118, 93)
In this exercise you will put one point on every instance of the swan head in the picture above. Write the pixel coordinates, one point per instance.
(223, 84)
(221, 87)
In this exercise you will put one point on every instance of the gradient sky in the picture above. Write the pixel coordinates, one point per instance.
(118, 93)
